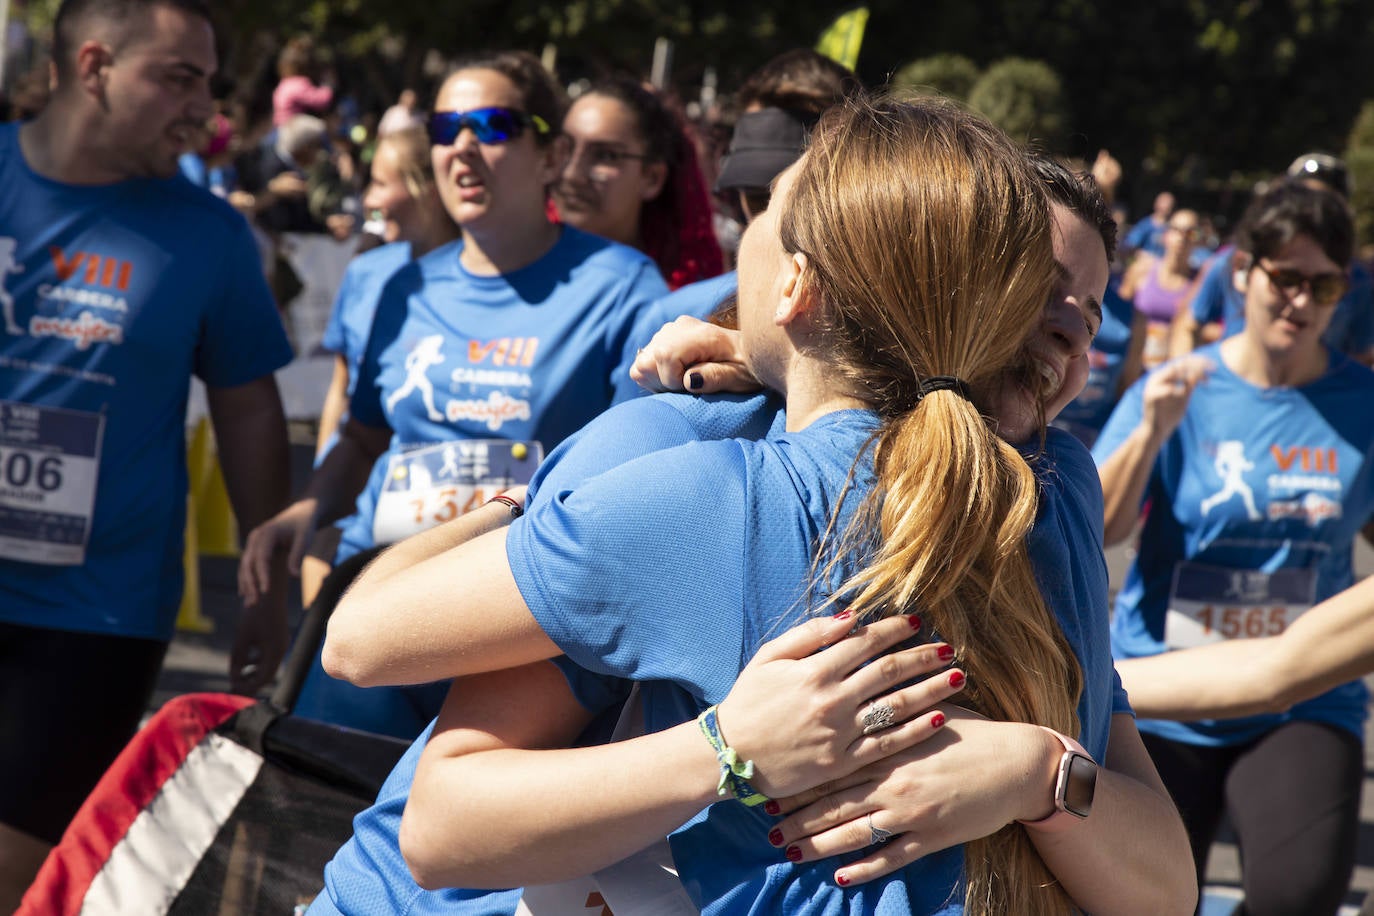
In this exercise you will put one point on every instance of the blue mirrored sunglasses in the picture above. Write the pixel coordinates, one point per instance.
(491, 125)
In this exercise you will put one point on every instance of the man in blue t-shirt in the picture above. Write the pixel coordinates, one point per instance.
(1148, 234)
(120, 281)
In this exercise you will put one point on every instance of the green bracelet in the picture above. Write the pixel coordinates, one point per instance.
(734, 773)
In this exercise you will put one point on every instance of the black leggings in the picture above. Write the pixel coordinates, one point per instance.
(1293, 798)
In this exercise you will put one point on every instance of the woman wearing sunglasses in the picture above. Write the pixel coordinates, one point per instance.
(483, 355)
(1251, 457)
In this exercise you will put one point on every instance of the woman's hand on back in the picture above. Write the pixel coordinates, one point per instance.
(689, 354)
(809, 708)
(972, 778)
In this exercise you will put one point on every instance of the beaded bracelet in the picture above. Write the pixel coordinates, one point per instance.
(516, 510)
(734, 773)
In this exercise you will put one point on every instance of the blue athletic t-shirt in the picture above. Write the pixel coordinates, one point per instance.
(1085, 415)
(1259, 479)
(111, 298)
(697, 299)
(528, 355)
(368, 875)
(1351, 329)
(350, 321)
(746, 518)
(453, 357)
(351, 318)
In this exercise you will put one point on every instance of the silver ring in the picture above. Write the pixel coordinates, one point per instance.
(877, 717)
(877, 834)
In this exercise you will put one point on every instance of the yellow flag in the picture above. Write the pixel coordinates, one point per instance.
(841, 41)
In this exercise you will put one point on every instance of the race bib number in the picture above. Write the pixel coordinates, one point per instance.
(437, 483)
(49, 463)
(1208, 604)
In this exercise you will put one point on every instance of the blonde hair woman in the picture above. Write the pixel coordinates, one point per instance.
(403, 194)
(893, 294)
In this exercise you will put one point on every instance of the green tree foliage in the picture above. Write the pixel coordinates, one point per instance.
(951, 75)
(1359, 158)
(1235, 85)
(1024, 98)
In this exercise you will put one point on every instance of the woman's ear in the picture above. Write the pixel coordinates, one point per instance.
(1240, 271)
(795, 296)
(655, 174)
(554, 160)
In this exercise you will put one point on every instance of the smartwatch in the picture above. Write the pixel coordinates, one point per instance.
(1074, 785)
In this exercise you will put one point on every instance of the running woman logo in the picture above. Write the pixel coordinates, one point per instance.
(9, 264)
(1231, 465)
(426, 354)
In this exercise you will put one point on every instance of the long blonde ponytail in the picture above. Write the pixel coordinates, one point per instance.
(927, 234)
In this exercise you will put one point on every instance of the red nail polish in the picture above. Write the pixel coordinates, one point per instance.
(956, 679)
(772, 807)
(946, 653)
(914, 620)
(793, 854)
(775, 836)
(937, 720)
(844, 615)
(842, 879)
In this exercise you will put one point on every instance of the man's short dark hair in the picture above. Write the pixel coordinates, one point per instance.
(73, 15)
(1080, 194)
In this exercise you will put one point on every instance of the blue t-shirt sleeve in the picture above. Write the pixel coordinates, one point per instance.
(1121, 702)
(242, 337)
(596, 692)
(1126, 416)
(1138, 235)
(620, 435)
(632, 571)
(1210, 302)
(642, 291)
(698, 300)
(365, 405)
(335, 338)
(1360, 338)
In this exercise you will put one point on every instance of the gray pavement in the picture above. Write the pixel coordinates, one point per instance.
(199, 662)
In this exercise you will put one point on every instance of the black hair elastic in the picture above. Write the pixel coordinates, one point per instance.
(943, 383)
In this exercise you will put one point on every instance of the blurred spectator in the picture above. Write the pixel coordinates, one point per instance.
(404, 114)
(296, 92)
(1148, 234)
(211, 166)
(291, 185)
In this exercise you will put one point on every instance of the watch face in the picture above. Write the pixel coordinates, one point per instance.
(1079, 784)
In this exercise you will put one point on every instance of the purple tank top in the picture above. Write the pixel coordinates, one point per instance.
(1154, 301)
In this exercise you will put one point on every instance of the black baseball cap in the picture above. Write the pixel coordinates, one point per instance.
(765, 142)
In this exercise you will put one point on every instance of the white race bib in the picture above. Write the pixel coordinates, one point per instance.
(437, 483)
(49, 463)
(1208, 604)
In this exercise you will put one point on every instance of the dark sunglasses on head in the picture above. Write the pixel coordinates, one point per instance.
(1326, 289)
(490, 125)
